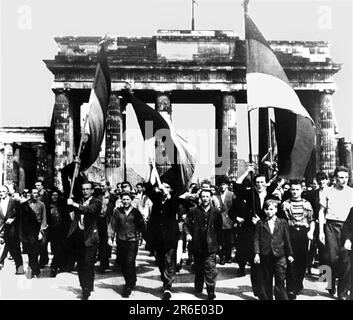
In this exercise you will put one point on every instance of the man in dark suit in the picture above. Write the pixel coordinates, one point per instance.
(247, 219)
(83, 234)
(225, 199)
(9, 228)
(163, 230)
(272, 246)
(204, 227)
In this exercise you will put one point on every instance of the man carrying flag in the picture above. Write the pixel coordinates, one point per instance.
(83, 232)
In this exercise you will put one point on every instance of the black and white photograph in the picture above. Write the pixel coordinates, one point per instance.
(184, 150)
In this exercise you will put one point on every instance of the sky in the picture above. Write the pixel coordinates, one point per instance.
(28, 29)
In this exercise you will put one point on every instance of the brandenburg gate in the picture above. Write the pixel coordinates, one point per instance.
(190, 67)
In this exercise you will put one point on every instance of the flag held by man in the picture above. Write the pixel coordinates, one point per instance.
(98, 102)
(180, 154)
(269, 87)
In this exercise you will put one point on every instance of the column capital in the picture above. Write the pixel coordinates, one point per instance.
(163, 102)
(327, 91)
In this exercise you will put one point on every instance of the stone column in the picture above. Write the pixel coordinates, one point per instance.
(327, 157)
(226, 139)
(164, 107)
(42, 163)
(8, 170)
(63, 135)
(114, 157)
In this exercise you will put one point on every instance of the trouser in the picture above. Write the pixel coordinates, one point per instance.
(127, 251)
(12, 245)
(165, 259)
(57, 249)
(296, 269)
(226, 252)
(43, 253)
(205, 271)
(244, 246)
(85, 257)
(33, 254)
(274, 266)
(337, 257)
(104, 250)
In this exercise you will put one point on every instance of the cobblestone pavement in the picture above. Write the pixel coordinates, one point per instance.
(109, 285)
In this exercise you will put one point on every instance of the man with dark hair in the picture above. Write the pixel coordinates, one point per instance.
(336, 201)
(246, 220)
(33, 227)
(43, 196)
(299, 214)
(203, 227)
(84, 236)
(226, 198)
(128, 224)
(163, 231)
(9, 229)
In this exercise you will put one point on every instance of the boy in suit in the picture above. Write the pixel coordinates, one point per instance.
(272, 246)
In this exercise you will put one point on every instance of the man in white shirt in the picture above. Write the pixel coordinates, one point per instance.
(335, 203)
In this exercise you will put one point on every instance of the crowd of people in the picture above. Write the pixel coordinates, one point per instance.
(280, 228)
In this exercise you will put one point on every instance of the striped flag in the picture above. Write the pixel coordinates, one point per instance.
(269, 87)
(98, 101)
(179, 153)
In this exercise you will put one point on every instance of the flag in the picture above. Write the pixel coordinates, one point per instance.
(179, 153)
(269, 87)
(98, 101)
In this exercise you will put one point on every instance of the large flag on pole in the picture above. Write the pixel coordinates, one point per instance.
(98, 101)
(268, 87)
(179, 153)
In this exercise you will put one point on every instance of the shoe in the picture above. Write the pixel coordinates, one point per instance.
(229, 261)
(222, 262)
(53, 273)
(292, 296)
(211, 296)
(332, 291)
(126, 292)
(167, 295)
(178, 267)
(20, 270)
(241, 273)
(85, 294)
(198, 291)
(35, 275)
(1, 266)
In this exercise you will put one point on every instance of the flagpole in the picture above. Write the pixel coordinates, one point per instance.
(77, 160)
(245, 6)
(270, 142)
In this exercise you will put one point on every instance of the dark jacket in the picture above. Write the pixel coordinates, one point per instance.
(246, 193)
(128, 227)
(206, 233)
(29, 226)
(9, 230)
(163, 225)
(278, 243)
(347, 229)
(225, 209)
(91, 213)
